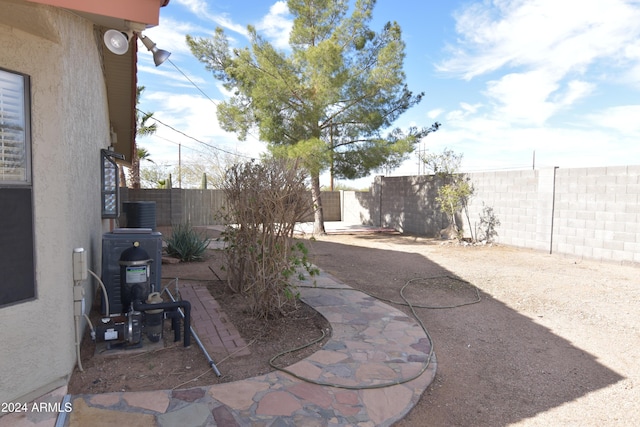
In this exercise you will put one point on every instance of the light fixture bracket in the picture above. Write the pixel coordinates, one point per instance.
(159, 55)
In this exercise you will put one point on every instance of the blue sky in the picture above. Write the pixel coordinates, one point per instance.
(560, 78)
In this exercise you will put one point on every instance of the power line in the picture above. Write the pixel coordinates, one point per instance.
(192, 82)
(179, 143)
(203, 92)
(196, 139)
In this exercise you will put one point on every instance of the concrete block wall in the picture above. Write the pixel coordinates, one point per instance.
(359, 207)
(588, 212)
(331, 206)
(597, 213)
(585, 212)
(202, 207)
(407, 203)
(521, 200)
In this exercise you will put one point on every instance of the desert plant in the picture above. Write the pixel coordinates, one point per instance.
(488, 223)
(455, 189)
(186, 244)
(265, 200)
(452, 197)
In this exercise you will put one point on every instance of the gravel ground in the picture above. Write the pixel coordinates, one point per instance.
(553, 341)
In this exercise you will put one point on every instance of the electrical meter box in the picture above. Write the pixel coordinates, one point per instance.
(113, 244)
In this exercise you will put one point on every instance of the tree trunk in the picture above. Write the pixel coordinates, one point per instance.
(318, 217)
(122, 176)
(135, 169)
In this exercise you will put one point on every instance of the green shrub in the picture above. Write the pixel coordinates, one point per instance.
(186, 244)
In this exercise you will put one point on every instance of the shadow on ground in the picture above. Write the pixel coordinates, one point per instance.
(495, 365)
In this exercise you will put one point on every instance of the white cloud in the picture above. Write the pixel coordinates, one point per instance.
(575, 90)
(470, 108)
(632, 57)
(194, 116)
(169, 75)
(523, 97)
(276, 25)
(624, 119)
(457, 117)
(543, 56)
(170, 36)
(200, 9)
(490, 145)
(562, 36)
(435, 113)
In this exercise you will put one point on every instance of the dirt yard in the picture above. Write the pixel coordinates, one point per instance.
(554, 340)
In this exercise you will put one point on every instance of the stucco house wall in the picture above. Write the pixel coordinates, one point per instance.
(69, 127)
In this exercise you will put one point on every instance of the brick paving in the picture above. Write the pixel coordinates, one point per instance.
(216, 332)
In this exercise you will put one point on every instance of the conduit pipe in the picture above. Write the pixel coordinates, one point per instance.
(195, 336)
(104, 291)
(77, 327)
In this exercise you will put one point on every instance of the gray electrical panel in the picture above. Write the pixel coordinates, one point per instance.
(113, 243)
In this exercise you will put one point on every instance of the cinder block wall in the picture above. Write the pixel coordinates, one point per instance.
(203, 207)
(521, 200)
(407, 203)
(359, 207)
(587, 212)
(330, 206)
(597, 213)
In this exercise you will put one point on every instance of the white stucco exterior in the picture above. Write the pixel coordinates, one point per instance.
(70, 125)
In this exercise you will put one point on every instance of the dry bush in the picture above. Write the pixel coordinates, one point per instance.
(264, 201)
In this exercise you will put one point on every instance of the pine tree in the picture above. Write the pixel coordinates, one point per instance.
(329, 101)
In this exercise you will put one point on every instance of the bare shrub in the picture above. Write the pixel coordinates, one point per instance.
(264, 202)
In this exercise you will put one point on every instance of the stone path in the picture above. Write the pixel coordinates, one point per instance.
(370, 373)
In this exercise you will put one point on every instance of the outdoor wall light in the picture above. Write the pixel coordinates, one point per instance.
(117, 41)
(159, 55)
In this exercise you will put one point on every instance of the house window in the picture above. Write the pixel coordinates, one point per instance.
(14, 132)
(17, 260)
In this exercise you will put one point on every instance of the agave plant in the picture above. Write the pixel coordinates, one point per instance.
(186, 244)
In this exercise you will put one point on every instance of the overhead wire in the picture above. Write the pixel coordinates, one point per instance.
(214, 103)
(179, 143)
(196, 139)
(192, 82)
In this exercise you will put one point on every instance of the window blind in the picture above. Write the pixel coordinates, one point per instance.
(13, 133)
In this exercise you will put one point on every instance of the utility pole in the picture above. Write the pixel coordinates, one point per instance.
(179, 165)
(534, 159)
(422, 150)
(331, 141)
